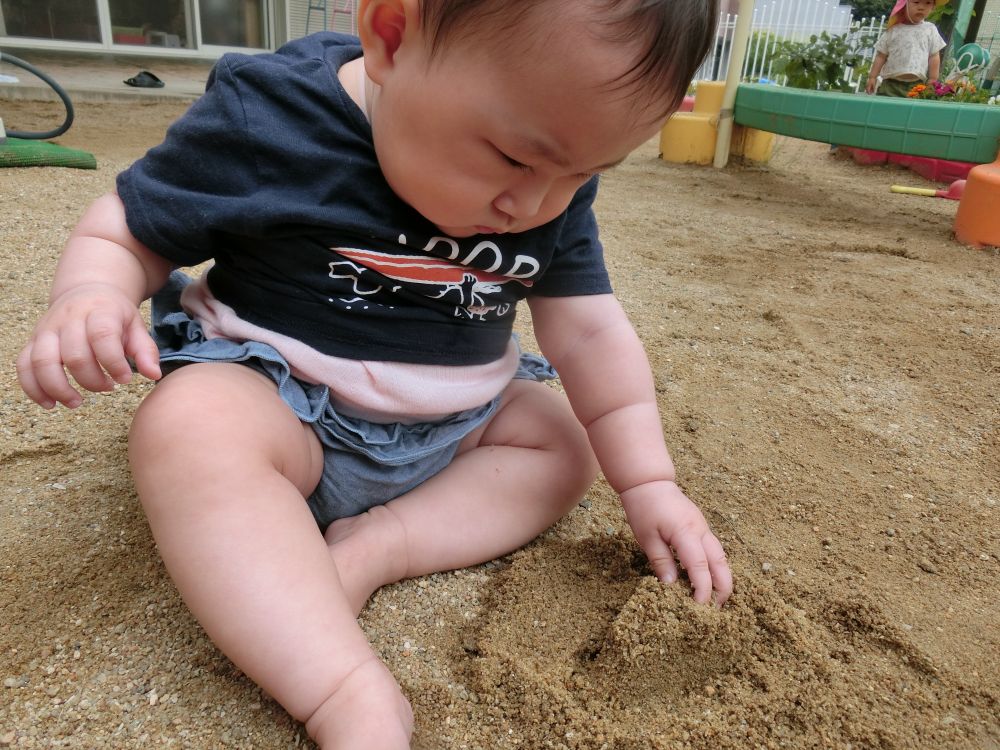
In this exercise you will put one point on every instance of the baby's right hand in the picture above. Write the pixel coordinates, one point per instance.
(90, 330)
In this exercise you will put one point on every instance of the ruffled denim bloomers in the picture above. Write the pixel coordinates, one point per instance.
(366, 463)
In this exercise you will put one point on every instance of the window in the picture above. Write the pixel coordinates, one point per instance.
(160, 23)
(68, 20)
(177, 24)
(233, 23)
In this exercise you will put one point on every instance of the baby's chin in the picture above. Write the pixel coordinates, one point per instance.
(456, 232)
(487, 231)
(463, 232)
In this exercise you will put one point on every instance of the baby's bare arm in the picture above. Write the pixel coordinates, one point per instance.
(93, 326)
(607, 377)
(604, 369)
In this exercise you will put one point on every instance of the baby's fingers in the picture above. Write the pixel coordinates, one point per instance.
(661, 559)
(41, 375)
(28, 382)
(718, 566)
(80, 348)
(105, 336)
(139, 345)
(692, 556)
(705, 562)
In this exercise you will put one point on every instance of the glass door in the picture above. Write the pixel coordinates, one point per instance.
(233, 23)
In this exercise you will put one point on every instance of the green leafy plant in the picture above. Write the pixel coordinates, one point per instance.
(861, 71)
(820, 63)
(941, 12)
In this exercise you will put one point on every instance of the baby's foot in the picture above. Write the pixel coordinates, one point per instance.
(368, 710)
(369, 551)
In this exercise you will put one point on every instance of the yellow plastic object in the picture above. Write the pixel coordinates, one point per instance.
(752, 144)
(708, 97)
(689, 137)
(976, 222)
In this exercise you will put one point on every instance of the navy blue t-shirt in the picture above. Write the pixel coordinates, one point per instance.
(272, 173)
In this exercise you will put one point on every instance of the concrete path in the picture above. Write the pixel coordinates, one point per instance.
(99, 78)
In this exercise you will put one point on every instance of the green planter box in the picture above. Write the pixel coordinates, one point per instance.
(943, 130)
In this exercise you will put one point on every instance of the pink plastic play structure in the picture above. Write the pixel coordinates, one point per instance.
(935, 170)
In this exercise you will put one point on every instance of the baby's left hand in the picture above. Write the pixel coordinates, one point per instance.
(665, 523)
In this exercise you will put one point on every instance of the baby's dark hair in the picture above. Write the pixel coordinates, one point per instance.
(672, 36)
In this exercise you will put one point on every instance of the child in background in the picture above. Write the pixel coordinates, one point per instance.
(342, 403)
(909, 52)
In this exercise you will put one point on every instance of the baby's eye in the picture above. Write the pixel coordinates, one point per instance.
(514, 162)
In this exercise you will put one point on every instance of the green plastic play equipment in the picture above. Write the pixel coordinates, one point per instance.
(943, 130)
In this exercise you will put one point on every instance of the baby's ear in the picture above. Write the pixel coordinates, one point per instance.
(384, 25)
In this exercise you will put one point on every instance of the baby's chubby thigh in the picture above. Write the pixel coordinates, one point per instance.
(223, 422)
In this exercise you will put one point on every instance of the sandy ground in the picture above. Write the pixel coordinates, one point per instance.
(827, 363)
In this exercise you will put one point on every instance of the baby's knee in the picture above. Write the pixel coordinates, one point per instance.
(576, 439)
(544, 419)
(582, 457)
(569, 438)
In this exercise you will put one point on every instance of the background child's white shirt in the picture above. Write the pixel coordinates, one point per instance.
(907, 48)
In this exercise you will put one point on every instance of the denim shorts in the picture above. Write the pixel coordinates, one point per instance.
(365, 463)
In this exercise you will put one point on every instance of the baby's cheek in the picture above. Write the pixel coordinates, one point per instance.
(558, 200)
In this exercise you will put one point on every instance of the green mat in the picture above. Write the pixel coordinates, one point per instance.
(18, 152)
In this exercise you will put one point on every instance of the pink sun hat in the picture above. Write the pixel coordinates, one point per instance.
(899, 11)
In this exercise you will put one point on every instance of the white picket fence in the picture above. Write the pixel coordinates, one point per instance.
(781, 20)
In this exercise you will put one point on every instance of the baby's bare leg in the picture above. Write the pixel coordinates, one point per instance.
(222, 465)
(511, 480)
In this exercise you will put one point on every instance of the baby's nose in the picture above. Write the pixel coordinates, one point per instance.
(524, 200)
